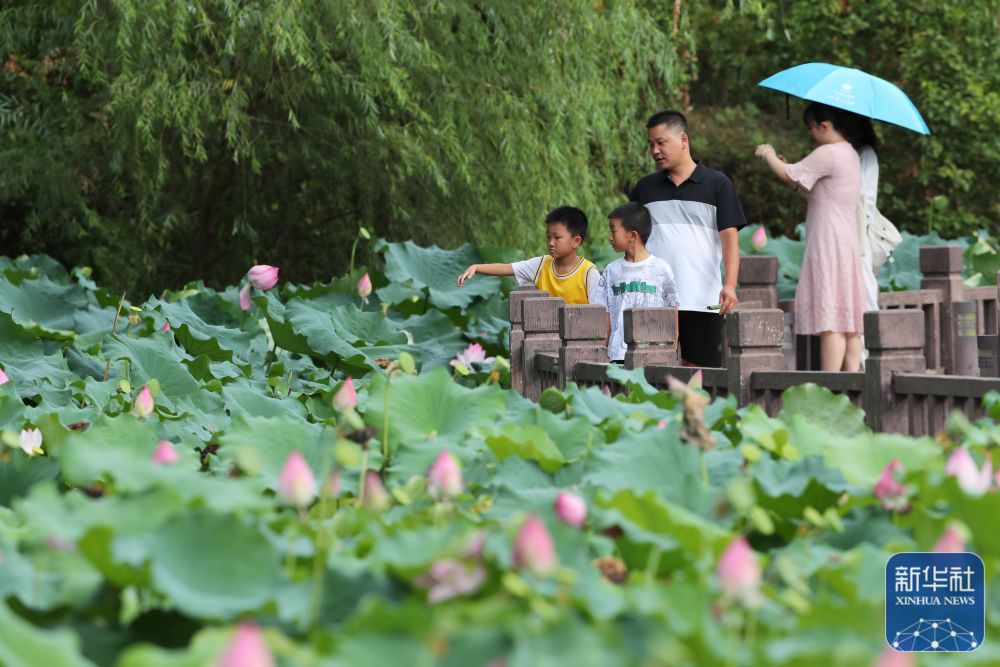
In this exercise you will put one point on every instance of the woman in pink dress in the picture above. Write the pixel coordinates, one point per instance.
(830, 298)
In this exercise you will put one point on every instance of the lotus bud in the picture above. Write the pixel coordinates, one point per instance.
(534, 549)
(739, 571)
(296, 483)
(893, 658)
(365, 287)
(571, 509)
(759, 239)
(971, 479)
(31, 441)
(346, 397)
(165, 328)
(333, 484)
(245, 298)
(695, 381)
(444, 478)
(3, 377)
(247, 648)
(165, 453)
(950, 541)
(890, 491)
(263, 276)
(375, 498)
(142, 407)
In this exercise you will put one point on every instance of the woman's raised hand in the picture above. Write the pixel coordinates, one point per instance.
(764, 149)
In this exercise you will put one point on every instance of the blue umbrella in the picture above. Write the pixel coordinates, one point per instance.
(850, 89)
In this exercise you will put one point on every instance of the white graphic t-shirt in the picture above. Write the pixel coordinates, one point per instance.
(646, 284)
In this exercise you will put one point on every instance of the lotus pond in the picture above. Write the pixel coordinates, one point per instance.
(192, 495)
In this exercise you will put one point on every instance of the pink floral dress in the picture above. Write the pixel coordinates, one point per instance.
(830, 295)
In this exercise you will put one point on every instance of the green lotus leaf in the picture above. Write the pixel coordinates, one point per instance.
(424, 407)
(819, 405)
(437, 271)
(236, 568)
(24, 645)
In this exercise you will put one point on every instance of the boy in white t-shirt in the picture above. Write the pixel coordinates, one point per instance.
(640, 279)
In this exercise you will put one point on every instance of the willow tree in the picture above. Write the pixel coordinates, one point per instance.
(178, 139)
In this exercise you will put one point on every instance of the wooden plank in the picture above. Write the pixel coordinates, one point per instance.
(782, 380)
(943, 385)
(592, 372)
(547, 362)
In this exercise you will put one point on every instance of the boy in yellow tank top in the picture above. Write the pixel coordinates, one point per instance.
(562, 272)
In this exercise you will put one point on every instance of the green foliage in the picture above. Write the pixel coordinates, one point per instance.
(162, 141)
(111, 558)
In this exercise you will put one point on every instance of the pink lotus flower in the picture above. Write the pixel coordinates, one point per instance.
(889, 490)
(971, 479)
(165, 328)
(375, 498)
(695, 381)
(451, 578)
(444, 478)
(3, 377)
(759, 239)
(31, 441)
(296, 483)
(534, 549)
(346, 397)
(247, 648)
(606, 390)
(739, 571)
(471, 355)
(142, 407)
(661, 424)
(950, 541)
(571, 509)
(245, 298)
(892, 658)
(263, 276)
(365, 287)
(165, 453)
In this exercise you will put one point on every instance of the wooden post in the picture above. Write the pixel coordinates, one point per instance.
(517, 334)
(651, 337)
(966, 343)
(758, 280)
(942, 269)
(895, 341)
(540, 317)
(583, 330)
(754, 338)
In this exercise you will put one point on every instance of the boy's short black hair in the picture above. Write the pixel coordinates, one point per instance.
(635, 218)
(674, 120)
(574, 219)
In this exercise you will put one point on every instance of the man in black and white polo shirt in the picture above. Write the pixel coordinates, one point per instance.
(696, 218)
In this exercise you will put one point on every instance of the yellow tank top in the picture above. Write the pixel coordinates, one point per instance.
(571, 287)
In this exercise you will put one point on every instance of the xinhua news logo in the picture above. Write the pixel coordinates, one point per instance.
(935, 602)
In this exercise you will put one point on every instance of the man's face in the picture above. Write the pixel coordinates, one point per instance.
(666, 146)
(560, 242)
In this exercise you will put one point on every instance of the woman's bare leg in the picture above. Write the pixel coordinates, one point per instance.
(852, 356)
(832, 348)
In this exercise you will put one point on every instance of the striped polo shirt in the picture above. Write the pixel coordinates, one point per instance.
(687, 219)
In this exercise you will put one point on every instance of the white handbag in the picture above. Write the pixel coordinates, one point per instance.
(881, 236)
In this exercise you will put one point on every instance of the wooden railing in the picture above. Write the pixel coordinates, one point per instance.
(902, 388)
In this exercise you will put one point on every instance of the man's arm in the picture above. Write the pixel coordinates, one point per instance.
(731, 262)
(486, 270)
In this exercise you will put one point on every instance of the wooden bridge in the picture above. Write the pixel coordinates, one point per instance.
(931, 351)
